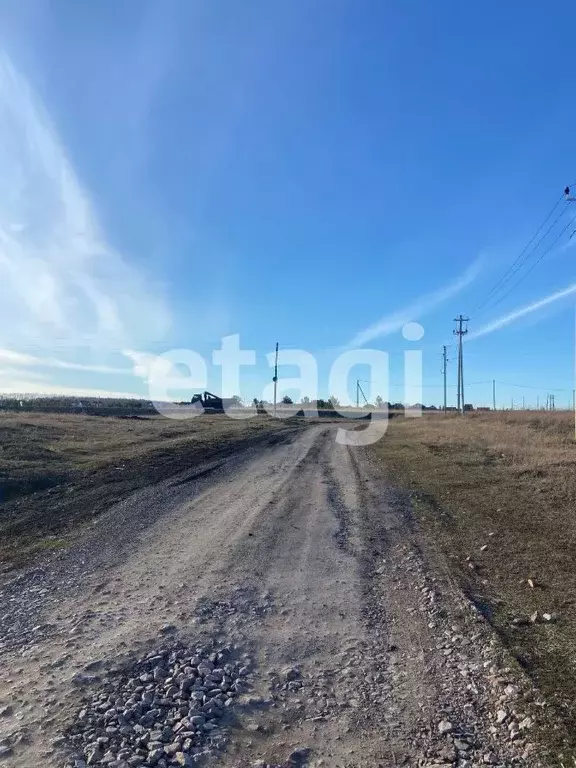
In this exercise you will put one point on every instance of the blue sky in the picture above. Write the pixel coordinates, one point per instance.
(315, 173)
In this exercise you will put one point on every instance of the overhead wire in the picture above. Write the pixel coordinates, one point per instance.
(535, 264)
(529, 250)
(437, 386)
(524, 256)
(531, 386)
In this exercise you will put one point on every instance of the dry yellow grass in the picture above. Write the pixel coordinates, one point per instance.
(496, 492)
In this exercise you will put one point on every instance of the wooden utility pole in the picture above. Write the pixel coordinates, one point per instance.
(460, 331)
(275, 379)
(444, 371)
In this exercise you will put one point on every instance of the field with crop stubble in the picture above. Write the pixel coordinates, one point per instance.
(496, 494)
(59, 471)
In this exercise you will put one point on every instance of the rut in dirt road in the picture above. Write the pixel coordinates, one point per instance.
(273, 610)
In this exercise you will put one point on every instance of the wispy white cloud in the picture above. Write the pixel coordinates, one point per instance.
(8, 374)
(396, 320)
(528, 309)
(142, 362)
(8, 356)
(61, 284)
(148, 366)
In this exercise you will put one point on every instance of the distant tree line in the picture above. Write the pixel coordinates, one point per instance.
(333, 403)
(117, 406)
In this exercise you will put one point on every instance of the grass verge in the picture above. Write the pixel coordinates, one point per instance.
(496, 492)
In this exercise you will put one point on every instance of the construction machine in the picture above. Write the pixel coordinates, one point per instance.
(212, 403)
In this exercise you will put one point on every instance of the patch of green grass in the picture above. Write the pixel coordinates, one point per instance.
(49, 544)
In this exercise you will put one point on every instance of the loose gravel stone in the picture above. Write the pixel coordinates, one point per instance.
(525, 724)
(461, 745)
(300, 755)
(444, 726)
(165, 709)
(291, 673)
(501, 715)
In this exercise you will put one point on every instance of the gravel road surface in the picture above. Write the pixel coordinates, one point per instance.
(276, 608)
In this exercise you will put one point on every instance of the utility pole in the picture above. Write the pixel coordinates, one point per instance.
(460, 331)
(275, 379)
(444, 371)
(493, 394)
(523, 404)
(359, 391)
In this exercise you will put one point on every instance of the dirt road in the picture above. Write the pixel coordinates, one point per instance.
(356, 648)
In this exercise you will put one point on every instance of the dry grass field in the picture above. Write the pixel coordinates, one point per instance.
(496, 492)
(59, 470)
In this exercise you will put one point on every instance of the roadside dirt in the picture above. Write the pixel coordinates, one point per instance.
(359, 649)
(495, 493)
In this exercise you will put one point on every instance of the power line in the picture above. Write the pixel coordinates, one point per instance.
(440, 386)
(535, 264)
(489, 381)
(523, 256)
(531, 386)
(530, 248)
